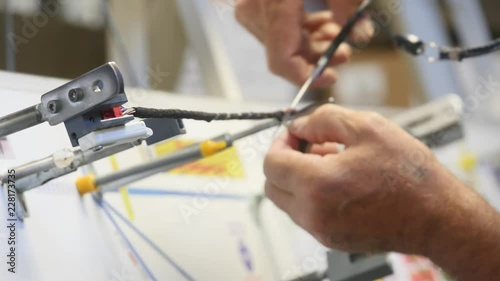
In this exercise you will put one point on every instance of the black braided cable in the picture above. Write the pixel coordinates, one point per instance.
(483, 50)
(142, 112)
(458, 54)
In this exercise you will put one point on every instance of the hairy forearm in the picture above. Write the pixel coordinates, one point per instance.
(466, 238)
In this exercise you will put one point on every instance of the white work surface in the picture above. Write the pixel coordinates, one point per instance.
(70, 238)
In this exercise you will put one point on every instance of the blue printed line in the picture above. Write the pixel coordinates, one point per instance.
(159, 192)
(124, 236)
(150, 242)
(246, 256)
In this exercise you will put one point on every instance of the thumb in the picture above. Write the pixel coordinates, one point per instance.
(328, 123)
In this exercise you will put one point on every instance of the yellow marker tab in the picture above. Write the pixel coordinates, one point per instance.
(468, 161)
(86, 184)
(123, 191)
(226, 163)
(209, 148)
(127, 203)
(114, 163)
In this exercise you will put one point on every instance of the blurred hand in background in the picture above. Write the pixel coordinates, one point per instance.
(295, 39)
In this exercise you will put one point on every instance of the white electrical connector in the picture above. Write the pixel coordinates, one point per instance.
(129, 132)
(63, 158)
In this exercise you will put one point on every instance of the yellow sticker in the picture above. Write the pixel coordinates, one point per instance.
(123, 190)
(222, 164)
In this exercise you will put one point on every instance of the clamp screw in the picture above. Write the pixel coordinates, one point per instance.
(52, 106)
(75, 95)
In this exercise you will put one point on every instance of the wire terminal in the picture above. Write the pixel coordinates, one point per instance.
(410, 43)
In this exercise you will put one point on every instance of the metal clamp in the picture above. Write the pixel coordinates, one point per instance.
(79, 103)
(82, 94)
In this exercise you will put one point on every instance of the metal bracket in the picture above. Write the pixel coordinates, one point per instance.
(21, 206)
(98, 90)
(83, 94)
(164, 129)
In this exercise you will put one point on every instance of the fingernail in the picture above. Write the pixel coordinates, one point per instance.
(345, 50)
(364, 30)
(297, 124)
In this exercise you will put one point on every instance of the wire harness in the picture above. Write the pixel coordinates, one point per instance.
(415, 46)
(142, 112)
(459, 54)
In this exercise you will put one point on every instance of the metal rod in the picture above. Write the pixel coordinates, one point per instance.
(81, 158)
(255, 129)
(21, 120)
(90, 156)
(31, 168)
(174, 160)
(115, 185)
(10, 52)
(178, 158)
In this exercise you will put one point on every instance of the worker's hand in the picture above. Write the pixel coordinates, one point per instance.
(294, 40)
(384, 192)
